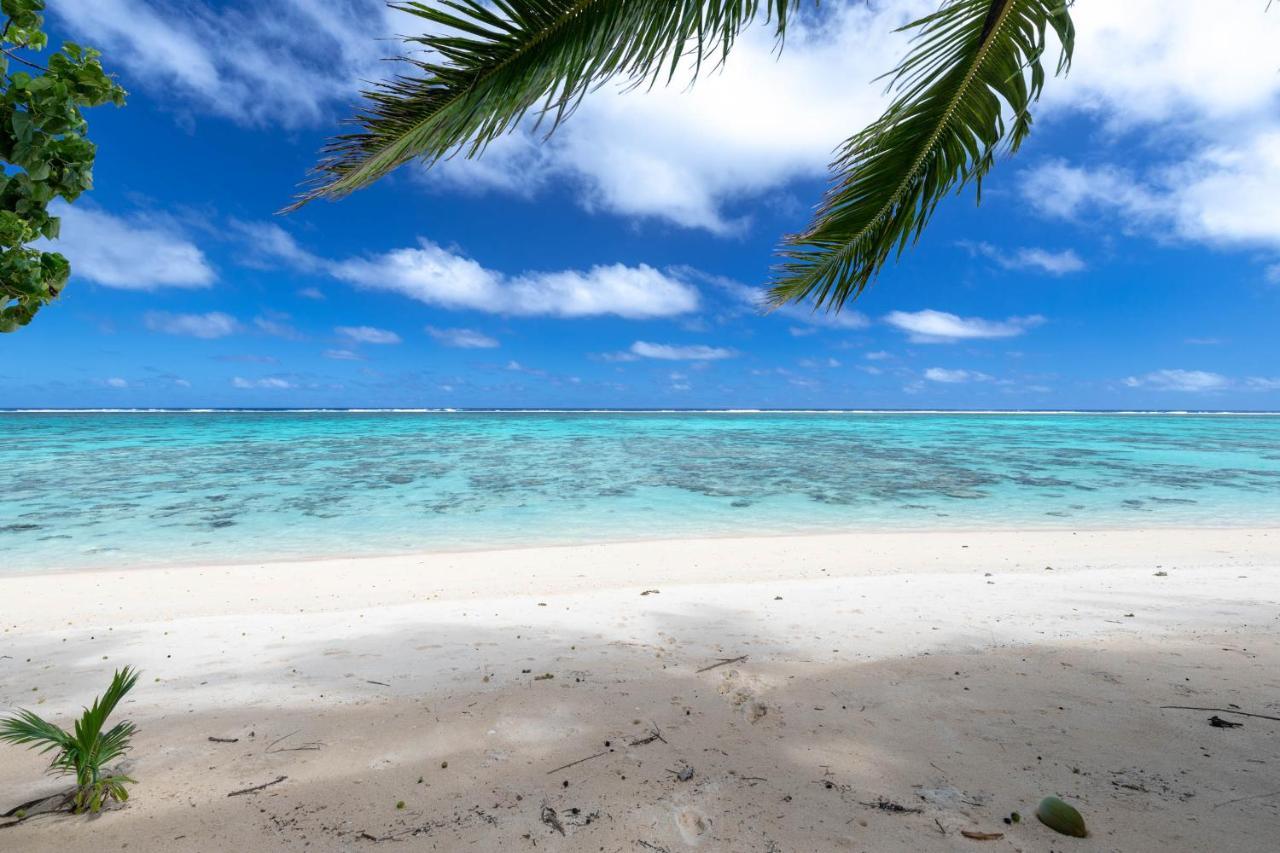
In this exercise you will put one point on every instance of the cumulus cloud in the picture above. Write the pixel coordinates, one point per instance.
(1225, 195)
(756, 300)
(276, 324)
(269, 382)
(954, 377)
(343, 355)
(214, 324)
(437, 276)
(268, 245)
(675, 352)
(462, 338)
(367, 334)
(287, 63)
(1028, 258)
(1199, 381)
(129, 253)
(1205, 77)
(940, 327)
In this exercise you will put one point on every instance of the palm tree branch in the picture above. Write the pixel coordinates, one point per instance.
(970, 59)
(493, 62)
(28, 729)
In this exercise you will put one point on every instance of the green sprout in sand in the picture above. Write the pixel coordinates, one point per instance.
(85, 752)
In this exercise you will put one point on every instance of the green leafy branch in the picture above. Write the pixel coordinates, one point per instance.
(42, 134)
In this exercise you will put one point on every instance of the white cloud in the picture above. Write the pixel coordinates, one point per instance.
(1200, 89)
(214, 324)
(285, 63)
(367, 335)
(116, 382)
(685, 155)
(1044, 260)
(1211, 61)
(1224, 195)
(756, 299)
(343, 355)
(938, 327)
(137, 253)
(953, 377)
(274, 324)
(1200, 381)
(1180, 380)
(270, 382)
(436, 276)
(267, 245)
(462, 338)
(673, 352)
(311, 293)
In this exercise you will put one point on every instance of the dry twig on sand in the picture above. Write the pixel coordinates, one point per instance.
(579, 761)
(256, 788)
(1220, 711)
(723, 662)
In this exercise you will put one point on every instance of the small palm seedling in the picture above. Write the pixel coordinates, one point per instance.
(86, 752)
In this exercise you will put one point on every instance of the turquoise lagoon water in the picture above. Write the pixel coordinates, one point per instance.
(113, 489)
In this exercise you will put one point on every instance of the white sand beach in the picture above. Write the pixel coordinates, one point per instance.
(961, 676)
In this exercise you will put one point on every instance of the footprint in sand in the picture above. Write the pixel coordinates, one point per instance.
(743, 693)
(692, 824)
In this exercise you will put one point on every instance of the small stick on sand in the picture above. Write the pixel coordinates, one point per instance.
(1244, 799)
(656, 734)
(647, 846)
(257, 788)
(575, 763)
(1220, 711)
(315, 745)
(723, 662)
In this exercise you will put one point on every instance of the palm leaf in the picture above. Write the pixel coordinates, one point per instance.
(962, 93)
(27, 729)
(115, 742)
(491, 61)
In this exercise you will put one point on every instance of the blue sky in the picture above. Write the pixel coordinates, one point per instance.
(1128, 257)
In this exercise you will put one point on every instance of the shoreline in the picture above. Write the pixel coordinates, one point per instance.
(803, 679)
(1174, 527)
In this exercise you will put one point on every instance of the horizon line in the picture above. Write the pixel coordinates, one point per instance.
(604, 410)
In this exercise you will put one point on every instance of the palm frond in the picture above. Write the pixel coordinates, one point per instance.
(115, 742)
(95, 716)
(491, 61)
(963, 93)
(27, 729)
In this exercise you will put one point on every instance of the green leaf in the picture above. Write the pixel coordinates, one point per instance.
(964, 93)
(498, 60)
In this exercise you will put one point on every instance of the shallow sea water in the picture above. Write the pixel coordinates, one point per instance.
(147, 488)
